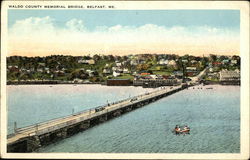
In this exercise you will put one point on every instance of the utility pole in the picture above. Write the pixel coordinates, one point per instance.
(183, 71)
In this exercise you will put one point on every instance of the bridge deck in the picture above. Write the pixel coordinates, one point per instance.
(55, 124)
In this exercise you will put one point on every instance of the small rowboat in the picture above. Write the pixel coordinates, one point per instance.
(185, 131)
(177, 132)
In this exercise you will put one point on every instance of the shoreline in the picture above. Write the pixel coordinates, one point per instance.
(235, 83)
(47, 82)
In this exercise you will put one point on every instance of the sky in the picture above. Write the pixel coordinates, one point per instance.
(123, 32)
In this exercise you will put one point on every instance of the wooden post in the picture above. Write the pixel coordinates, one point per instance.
(15, 127)
(36, 128)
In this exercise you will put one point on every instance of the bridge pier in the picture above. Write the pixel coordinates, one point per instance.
(64, 132)
(103, 118)
(59, 134)
(73, 130)
(84, 125)
(117, 113)
(128, 109)
(33, 143)
(137, 105)
(45, 139)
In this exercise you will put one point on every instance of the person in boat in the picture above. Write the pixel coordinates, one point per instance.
(177, 129)
(185, 130)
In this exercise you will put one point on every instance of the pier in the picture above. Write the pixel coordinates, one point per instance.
(30, 138)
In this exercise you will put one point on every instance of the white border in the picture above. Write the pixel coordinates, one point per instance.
(243, 6)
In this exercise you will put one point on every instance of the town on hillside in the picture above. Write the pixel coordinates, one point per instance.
(148, 70)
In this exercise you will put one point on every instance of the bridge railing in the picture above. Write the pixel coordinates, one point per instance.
(30, 127)
(70, 122)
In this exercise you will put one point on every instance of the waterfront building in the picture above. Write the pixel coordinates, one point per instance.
(178, 74)
(229, 75)
(155, 82)
(118, 82)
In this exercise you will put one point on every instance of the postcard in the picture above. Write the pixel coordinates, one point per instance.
(125, 79)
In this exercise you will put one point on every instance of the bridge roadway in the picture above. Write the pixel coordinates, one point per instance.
(49, 126)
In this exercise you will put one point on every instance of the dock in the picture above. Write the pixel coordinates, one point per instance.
(30, 138)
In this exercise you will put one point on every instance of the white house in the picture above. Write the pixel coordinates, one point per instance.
(133, 62)
(106, 71)
(114, 68)
(172, 63)
(115, 73)
(211, 69)
(193, 61)
(91, 61)
(154, 76)
(125, 70)
(191, 68)
(184, 61)
(119, 69)
(40, 70)
(163, 61)
(118, 64)
(234, 61)
(90, 72)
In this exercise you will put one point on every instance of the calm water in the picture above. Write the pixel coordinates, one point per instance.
(212, 114)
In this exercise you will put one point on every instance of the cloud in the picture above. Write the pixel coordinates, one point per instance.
(36, 35)
(33, 26)
(75, 25)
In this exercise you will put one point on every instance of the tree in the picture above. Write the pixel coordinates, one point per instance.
(212, 57)
(96, 57)
(141, 67)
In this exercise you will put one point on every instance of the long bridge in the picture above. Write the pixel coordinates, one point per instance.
(30, 138)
